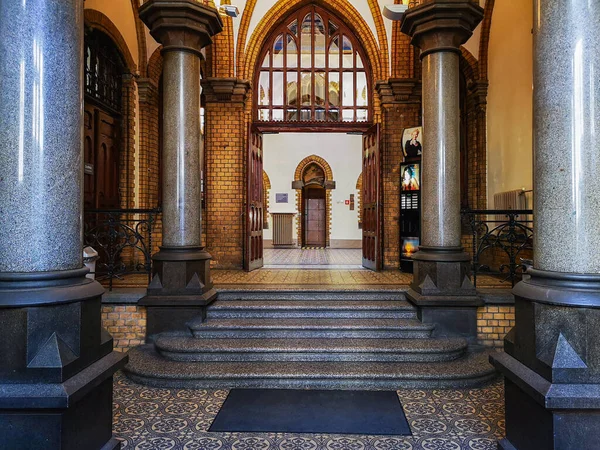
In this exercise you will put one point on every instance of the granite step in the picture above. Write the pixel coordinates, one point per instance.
(265, 295)
(342, 309)
(310, 328)
(146, 366)
(188, 348)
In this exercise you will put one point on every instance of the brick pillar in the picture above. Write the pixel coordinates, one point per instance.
(225, 181)
(401, 108)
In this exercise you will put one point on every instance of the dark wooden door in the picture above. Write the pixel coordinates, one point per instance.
(101, 159)
(371, 194)
(254, 202)
(314, 217)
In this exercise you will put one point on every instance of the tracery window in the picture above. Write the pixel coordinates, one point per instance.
(312, 68)
(103, 70)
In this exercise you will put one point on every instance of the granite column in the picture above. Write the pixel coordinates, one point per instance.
(181, 286)
(57, 361)
(551, 362)
(441, 287)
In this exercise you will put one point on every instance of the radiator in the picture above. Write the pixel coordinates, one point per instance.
(283, 228)
(517, 199)
(510, 200)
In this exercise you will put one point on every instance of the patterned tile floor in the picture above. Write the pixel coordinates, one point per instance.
(306, 279)
(178, 419)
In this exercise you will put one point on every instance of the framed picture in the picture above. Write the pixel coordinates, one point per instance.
(412, 142)
(409, 246)
(410, 177)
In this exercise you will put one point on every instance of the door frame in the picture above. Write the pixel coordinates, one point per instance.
(304, 222)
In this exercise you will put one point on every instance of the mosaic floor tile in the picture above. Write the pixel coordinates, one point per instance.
(178, 419)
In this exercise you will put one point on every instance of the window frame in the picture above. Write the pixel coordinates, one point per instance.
(327, 122)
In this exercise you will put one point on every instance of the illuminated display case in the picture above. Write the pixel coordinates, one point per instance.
(410, 212)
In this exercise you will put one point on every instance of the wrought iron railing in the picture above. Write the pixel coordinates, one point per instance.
(502, 243)
(123, 240)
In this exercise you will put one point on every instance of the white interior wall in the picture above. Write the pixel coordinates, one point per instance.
(282, 154)
(510, 97)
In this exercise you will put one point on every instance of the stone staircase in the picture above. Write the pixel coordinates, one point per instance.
(335, 340)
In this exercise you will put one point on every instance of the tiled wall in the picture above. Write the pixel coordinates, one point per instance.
(126, 324)
(493, 322)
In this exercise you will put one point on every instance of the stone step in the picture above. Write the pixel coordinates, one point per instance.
(304, 295)
(146, 366)
(318, 309)
(181, 348)
(310, 328)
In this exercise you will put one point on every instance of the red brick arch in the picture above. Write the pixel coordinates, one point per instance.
(99, 21)
(283, 8)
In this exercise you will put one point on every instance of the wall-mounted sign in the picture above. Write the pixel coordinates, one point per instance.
(281, 198)
(88, 169)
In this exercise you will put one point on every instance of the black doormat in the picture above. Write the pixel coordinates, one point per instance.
(303, 411)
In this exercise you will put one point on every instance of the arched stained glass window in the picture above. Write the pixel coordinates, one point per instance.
(312, 68)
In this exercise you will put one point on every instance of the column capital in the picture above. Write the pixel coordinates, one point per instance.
(184, 25)
(232, 90)
(441, 25)
(399, 90)
(147, 90)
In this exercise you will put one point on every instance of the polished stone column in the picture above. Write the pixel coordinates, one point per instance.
(57, 361)
(551, 362)
(181, 286)
(441, 286)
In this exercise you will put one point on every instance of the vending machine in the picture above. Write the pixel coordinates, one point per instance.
(410, 213)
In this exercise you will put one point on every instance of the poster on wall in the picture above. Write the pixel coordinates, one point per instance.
(412, 142)
(410, 177)
(409, 246)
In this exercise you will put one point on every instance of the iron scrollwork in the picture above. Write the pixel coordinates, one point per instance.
(502, 242)
(123, 240)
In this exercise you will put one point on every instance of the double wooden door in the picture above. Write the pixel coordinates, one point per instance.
(101, 158)
(314, 214)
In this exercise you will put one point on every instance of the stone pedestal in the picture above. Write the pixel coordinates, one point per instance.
(551, 362)
(441, 286)
(181, 286)
(57, 361)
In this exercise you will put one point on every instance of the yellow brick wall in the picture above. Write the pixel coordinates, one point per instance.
(126, 324)
(493, 322)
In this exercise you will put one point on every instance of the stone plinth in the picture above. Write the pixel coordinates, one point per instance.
(57, 361)
(551, 362)
(181, 286)
(441, 286)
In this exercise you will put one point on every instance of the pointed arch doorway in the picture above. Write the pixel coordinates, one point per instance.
(313, 75)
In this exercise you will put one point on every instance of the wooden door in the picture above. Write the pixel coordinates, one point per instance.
(314, 217)
(254, 202)
(101, 159)
(107, 161)
(89, 157)
(371, 203)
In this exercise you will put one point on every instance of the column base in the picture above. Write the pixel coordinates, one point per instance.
(181, 289)
(58, 364)
(443, 292)
(551, 363)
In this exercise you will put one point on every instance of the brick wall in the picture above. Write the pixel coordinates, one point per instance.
(493, 322)
(126, 324)
(225, 164)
